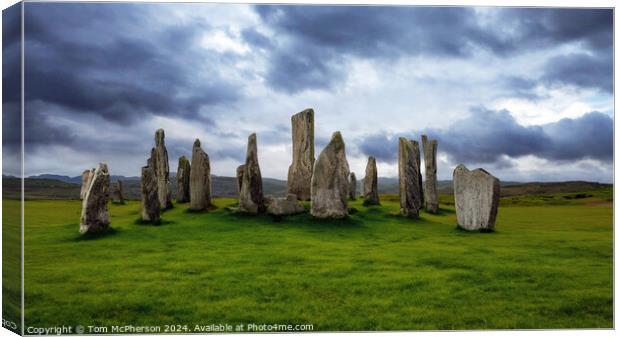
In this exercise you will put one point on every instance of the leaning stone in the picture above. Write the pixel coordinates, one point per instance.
(409, 177)
(95, 217)
(240, 170)
(183, 174)
(352, 186)
(476, 198)
(159, 161)
(87, 175)
(284, 206)
(199, 179)
(330, 181)
(430, 172)
(371, 192)
(150, 197)
(300, 171)
(251, 195)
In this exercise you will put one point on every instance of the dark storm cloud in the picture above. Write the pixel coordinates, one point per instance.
(313, 41)
(115, 62)
(582, 70)
(488, 136)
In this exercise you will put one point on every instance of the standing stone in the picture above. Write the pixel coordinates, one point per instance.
(352, 186)
(330, 181)
(240, 170)
(251, 195)
(430, 171)
(159, 160)
(300, 171)
(476, 197)
(183, 173)
(409, 177)
(199, 179)
(150, 197)
(118, 192)
(95, 217)
(87, 175)
(416, 145)
(371, 192)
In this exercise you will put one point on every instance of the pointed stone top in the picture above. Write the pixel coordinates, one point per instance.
(372, 159)
(251, 146)
(183, 159)
(103, 167)
(424, 138)
(352, 175)
(337, 142)
(159, 137)
(197, 143)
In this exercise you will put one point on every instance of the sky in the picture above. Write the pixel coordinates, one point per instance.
(526, 93)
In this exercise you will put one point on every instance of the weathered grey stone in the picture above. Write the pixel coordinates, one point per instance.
(283, 206)
(118, 191)
(330, 181)
(352, 186)
(87, 176)
(476, 197)
(431, 198)
(159, 163)
(183, 174)
(95, 217)
(199, 179)
(416, 145)
(240, 170)
(251, 196)
(371, 191)
(150, 197)
(409, 177)
(300, 171)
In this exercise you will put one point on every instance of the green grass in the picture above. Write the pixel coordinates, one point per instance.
(11, 264)
(545, 267)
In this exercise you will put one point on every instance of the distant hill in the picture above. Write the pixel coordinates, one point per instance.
(49, 186)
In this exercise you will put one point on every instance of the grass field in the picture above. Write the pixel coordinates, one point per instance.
(546, 266)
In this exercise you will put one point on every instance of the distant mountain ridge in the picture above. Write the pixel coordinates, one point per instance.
(52, 186)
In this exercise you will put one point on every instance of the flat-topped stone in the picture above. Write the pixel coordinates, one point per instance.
(300, 171)
(476, 198)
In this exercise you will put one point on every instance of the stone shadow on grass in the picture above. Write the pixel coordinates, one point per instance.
(94, 236)
(461, 230)
(160, 222)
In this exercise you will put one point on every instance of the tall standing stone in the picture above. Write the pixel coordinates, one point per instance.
(183, 173)
(416, 145)
(476, 198)
(240, 170)
(371, 192)
(87, 175)
(118, 191)
(352, 186)
(150, 197)
(300, 171)
(330, 181)
(430, 172)
(159, 160)
(251, 198)
(409, 177)
(95, 217)
(199, 179)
